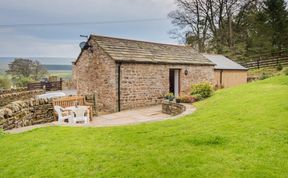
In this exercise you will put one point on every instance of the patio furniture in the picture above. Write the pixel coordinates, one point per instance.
(80, 113)
(63, 114)
(71, 101)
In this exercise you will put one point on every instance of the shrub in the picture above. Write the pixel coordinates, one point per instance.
(197, 97)
(5, 82)
(187, 99)
(285, 71)
(22, 81)
(203, 89)
(170, 96)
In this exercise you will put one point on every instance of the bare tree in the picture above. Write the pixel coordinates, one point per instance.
(190, 19)
(207, 22)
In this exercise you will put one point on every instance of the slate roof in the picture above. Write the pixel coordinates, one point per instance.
(124, 50)
(223, 62)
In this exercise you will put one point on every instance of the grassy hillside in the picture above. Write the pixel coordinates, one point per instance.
(239, 132)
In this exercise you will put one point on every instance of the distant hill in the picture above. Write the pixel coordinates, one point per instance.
(42, 60)
(50, 63)
(58, 67)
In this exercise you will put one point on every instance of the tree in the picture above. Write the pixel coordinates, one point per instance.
(277, 20)
(232, 27)
(20, 68)
(191, 19)
(207, 23)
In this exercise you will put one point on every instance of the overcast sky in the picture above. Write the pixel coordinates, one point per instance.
(62, 41)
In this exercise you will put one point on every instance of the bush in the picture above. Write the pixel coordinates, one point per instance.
(197, 97)
(22, 81)
(5, 82)
(187, 99)
(285, 71)
(170, 96)
(203, 89)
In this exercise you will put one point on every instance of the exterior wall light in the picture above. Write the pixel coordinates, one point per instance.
(186, 72)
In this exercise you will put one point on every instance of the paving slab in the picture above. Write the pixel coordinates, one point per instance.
(128, 117)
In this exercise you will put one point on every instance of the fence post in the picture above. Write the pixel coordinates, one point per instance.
(61, 83)
(258, 62)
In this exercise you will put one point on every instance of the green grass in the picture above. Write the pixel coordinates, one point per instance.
(61, 74)
(239, 132)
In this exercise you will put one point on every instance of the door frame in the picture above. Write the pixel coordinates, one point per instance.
(176, 79)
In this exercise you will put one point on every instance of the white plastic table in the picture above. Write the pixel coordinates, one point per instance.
(74, 109)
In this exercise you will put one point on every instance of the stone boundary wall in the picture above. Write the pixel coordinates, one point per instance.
(26, 113)
(13, 90)
(7, 98)
(172, 108)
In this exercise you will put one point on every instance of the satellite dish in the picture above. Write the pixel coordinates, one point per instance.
(83, 45)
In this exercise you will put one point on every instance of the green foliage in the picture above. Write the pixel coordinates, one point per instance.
(21, 81)
(276, 15)
(285, 71)
(238, 132)
(170, 96)
(203, 89)
(197, 97)
(255, 28)
(5, 82)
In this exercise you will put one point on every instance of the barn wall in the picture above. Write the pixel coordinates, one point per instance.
(141, 84)
(231, 78)
(147, 84)
(95, 73)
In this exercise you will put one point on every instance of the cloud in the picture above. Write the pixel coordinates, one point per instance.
(91, 9)
(62, 41)
(16, 45)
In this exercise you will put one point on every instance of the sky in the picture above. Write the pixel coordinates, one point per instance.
(63, 40)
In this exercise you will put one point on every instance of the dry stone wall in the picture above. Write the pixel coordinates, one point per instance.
(13, 90)
(26, 113)
(7, 97)
(172, 108)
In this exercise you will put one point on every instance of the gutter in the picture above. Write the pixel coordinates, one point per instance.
(119, 86)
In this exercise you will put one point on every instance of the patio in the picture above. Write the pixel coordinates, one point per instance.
(128, 117)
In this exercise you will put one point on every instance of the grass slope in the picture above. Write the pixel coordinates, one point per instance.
(239, 132)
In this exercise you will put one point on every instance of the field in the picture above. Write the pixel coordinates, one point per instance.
(64, 74)
(238, 132)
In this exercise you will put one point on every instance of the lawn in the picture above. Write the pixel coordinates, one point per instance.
(239, 132)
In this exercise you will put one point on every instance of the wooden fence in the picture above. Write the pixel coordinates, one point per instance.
(269, 62)
(48, 86)
(265, 60)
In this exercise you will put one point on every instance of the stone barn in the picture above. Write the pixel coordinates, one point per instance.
(125, 74)
(227, 72)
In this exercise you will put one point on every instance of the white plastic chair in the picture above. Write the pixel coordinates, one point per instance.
(63, 114)
(81, 115)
